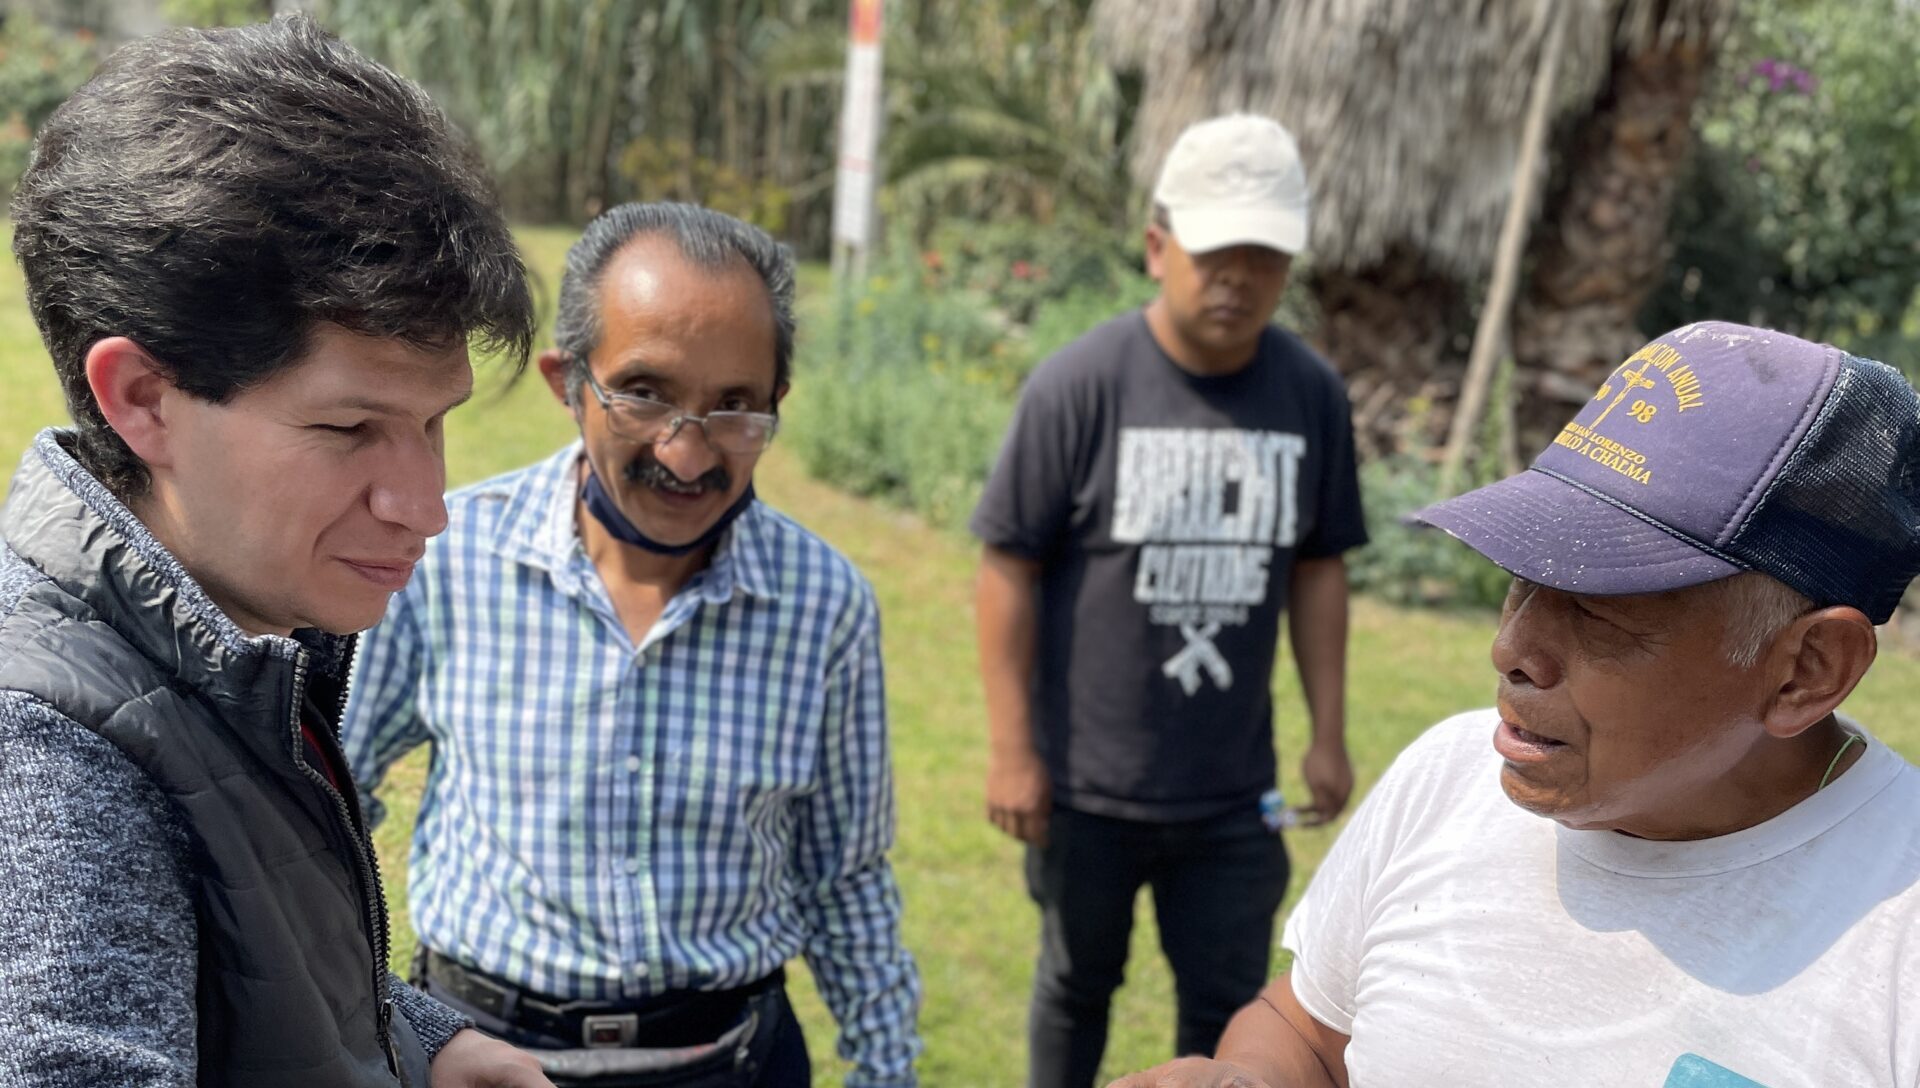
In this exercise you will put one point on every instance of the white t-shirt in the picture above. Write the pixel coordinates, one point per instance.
(1461, 940)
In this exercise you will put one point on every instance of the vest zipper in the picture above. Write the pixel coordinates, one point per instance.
(373, 908)
(386, 1030)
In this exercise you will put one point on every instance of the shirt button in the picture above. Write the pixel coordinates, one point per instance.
(634, 764)
(633, 865)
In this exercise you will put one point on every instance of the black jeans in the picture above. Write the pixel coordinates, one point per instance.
(1217, 884)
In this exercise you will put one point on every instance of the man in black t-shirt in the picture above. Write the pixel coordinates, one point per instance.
(1173, 482)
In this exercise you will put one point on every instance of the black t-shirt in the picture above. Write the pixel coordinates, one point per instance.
(1166, 510)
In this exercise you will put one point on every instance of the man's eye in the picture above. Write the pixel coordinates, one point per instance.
(353, 430)
(1517, 594)
(643, 393)
(1606, 629)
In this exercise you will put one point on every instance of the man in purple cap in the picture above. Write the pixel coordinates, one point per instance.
(1726, 887)
(1173, 482)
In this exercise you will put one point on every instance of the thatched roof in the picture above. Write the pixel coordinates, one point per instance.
(1407, 111)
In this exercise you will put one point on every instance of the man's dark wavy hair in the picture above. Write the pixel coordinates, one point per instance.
(217, 194)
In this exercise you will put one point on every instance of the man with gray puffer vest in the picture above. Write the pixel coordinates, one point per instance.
(256, 258)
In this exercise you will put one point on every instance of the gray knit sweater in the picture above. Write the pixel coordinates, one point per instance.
(97, 936)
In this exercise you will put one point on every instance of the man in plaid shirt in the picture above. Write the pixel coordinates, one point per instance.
(660, 764)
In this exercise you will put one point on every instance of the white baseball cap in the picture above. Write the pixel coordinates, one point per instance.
(1232, 181)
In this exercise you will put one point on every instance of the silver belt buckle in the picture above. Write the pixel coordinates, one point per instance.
(609, 1031)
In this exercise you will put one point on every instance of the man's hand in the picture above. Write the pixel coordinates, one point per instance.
(1329, 776)
(473, 1060)
(1019, 796)
(1192, 1073)
(1317, 630)
(1270, 1043)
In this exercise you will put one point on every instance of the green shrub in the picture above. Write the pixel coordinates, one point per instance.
(1065, 319)
(1427, 567)
(905, 390)
(1799, 211)
(39, 67)
(1406, 565)
(1022, 268)
(655, 168)
(215, 12)
(908, 381)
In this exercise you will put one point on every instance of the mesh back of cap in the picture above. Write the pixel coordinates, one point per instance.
(1841, 521)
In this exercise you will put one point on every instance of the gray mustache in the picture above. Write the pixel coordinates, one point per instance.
(649, 472)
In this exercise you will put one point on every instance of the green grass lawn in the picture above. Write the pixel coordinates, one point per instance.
(968, 920)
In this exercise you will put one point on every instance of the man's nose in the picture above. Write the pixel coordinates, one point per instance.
(411, 492)
(686, 451)
(1523, 646)
(1231, 265)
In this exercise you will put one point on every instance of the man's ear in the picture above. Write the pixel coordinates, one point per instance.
(779, 394)
(136, 397)
(554, 365)
(1814, 664)
(1156, 251)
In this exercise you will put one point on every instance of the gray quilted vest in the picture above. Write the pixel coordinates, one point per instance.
(292, 933)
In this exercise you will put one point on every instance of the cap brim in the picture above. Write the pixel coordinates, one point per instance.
(1202, 230)
(1549, 532)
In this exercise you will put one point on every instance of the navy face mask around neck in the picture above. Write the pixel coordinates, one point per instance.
(601, 505)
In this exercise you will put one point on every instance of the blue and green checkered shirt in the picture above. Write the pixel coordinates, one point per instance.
(610, 821)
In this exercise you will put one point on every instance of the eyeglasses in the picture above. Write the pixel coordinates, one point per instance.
(655, 422)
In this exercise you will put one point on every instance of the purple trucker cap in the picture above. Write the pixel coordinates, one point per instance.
(1717, 449)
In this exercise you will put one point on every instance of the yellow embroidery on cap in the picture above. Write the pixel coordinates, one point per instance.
(1682, 380)
(1666, 359)
(1635, 379)
(1602, 450)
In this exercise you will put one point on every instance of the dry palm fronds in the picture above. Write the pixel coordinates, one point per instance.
(1409, 112)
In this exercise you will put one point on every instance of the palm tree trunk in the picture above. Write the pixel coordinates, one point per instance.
(1603, 243)
(725, 43)
(1397, 332)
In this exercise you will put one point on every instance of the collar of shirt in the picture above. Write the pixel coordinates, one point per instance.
(538, 529)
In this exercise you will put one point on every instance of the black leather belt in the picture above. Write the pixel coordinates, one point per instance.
(679, 1018)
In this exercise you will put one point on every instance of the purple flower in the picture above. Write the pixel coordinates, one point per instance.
(1780, 76)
